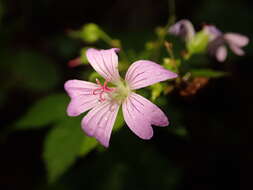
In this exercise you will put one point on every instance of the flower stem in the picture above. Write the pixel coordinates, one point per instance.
(171, 21)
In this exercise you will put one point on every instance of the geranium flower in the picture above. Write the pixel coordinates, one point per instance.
(183, 29)
(219, 41)
(104, 101)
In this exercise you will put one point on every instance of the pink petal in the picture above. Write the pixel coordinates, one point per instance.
(221, 53)
(144, 73)
(81, 96)
(236, 49)
(139, 114)
(236, 39)
(213, 32)
(99, 121)
(105, 62)
(184, 29)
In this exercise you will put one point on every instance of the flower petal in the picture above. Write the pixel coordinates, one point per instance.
(105, 62)
(184, 29)
(236, 49)
(236, 39)
(82, 98)
(139, 114)
(144, 73)
(221, 53)
(213, 31)
(99, 121)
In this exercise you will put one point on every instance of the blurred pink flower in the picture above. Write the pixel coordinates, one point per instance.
(75, 62)
(104, 102)
(218, 42)
(184, 29)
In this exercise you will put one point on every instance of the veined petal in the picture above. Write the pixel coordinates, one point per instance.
(105, 62)
(144, 73)
(236, 39)
(99, 121)
(221, 53)
(82, 98)
(139, 114)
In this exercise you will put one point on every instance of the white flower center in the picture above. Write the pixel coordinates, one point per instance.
(121, 92)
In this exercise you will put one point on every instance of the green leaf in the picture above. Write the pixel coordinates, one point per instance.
(198, 43)
(88, 144)
(207, 73)
(62, 147)
(46, 111)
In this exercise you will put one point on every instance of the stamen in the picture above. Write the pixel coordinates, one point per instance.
(101, 89)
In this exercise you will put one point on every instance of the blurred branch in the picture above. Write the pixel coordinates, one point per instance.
(163, 31)
(172, 12)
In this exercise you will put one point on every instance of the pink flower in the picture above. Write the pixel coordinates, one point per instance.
(184, 29)
(104, 102)
(75, 62)
(219, 41)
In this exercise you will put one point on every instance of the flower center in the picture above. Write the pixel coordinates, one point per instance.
(101, 90)
(122, 90)
(117, 94)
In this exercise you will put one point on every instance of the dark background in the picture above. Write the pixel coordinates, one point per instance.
(219, 152)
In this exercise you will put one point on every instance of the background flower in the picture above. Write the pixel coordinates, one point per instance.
(219, 41)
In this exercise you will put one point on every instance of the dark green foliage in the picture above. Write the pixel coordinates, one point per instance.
(62, 147)
(48, 110)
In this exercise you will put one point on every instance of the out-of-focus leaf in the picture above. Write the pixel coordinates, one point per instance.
(94, 75)
(89, 33)
(171, 64)
(62, 147)
(35, 71)
(115, 43)
(207, 73)
(88, 144)
(47, 110)
(83, 55)
(160, 31)
(156, 90)
(198, 43)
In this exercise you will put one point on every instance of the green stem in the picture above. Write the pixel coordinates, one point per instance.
(172, 11)
(171, 21)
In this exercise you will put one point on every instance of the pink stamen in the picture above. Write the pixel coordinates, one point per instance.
(101, 89)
